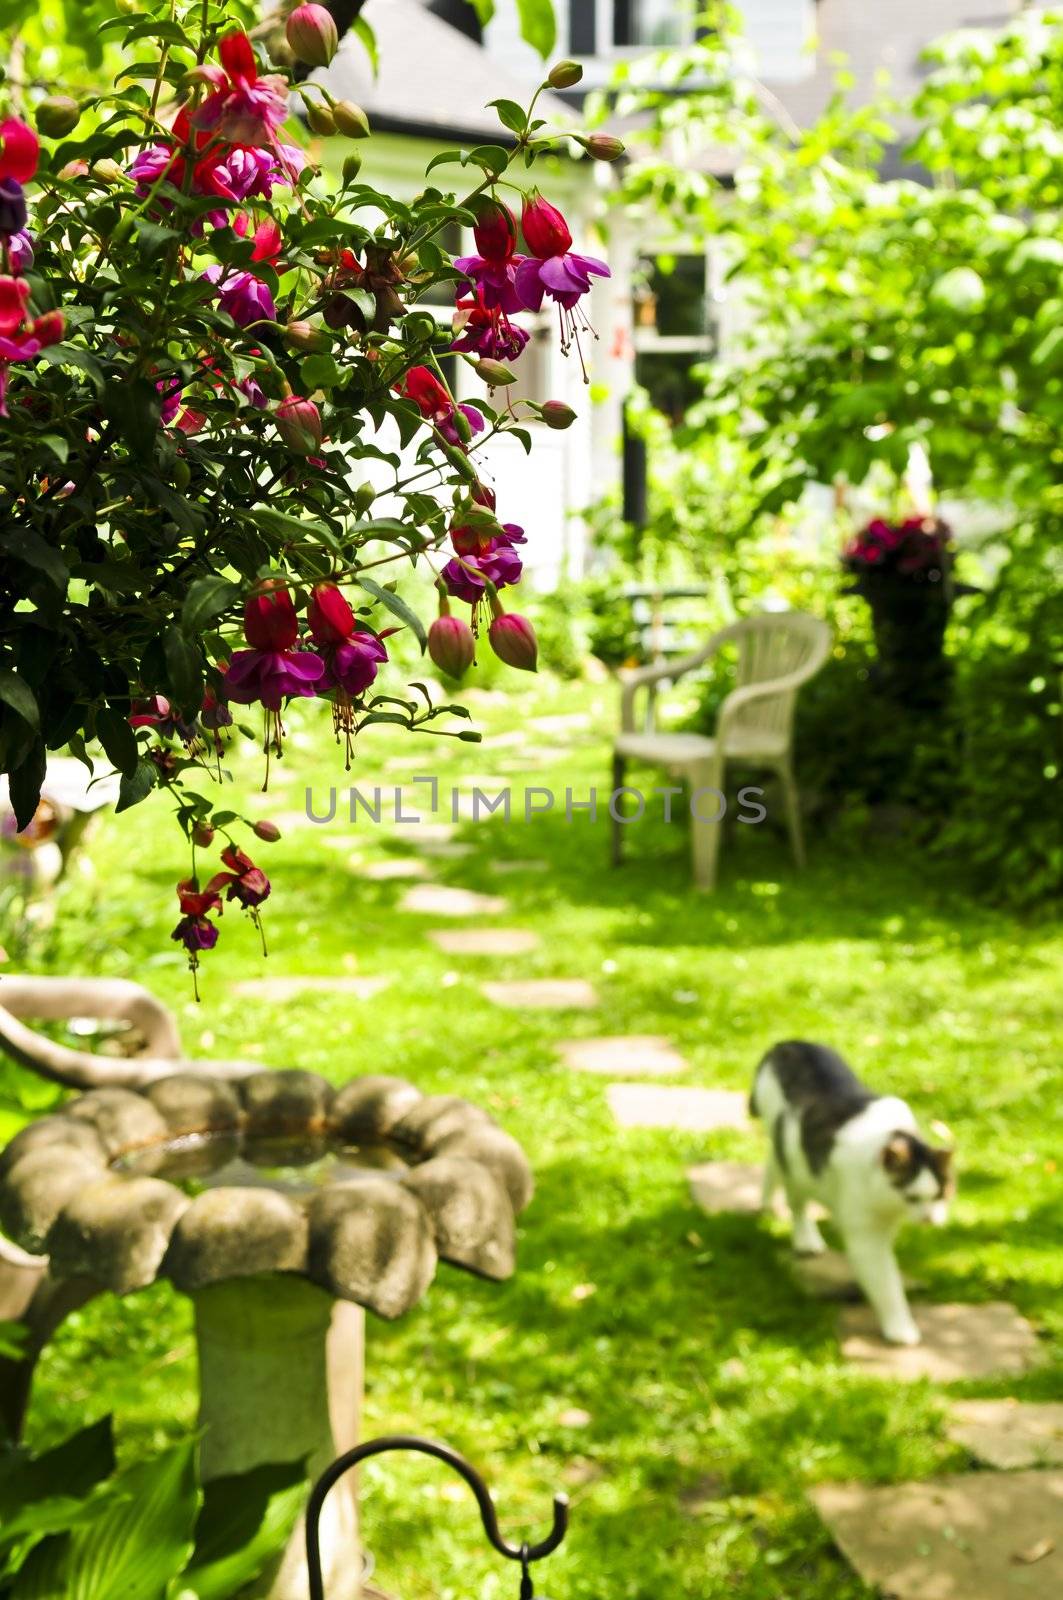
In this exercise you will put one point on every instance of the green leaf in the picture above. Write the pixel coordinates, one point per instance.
(244, 1521)
(320, 371)
(286, 526)
(118, 739)
(16, 693)
(46, 1494)
(24, 784)
(184, 669)
(398, 608)
(364, 32)
(33, 551)
(538, 25)
(135, 788)
(137, 1543)
(494, 158)
(511, 115)
(206, 599)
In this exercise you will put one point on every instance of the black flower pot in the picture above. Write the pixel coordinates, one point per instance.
(909, 617)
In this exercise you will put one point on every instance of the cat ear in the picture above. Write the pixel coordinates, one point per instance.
(897, 1154)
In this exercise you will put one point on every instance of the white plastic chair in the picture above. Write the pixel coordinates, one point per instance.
(777, 653)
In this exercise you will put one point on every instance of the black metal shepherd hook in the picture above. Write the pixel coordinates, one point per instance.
(525, 1553)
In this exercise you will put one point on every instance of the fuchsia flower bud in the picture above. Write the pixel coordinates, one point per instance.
(299, 425)
(203, 835)
(495, 231)
(330, 617)
(565, 75)
(270, 622)
(57, 115)
(602, 147)
(512, 638)
(557, 415)
(311, 32)
(545, 229)
(451, 645)
(19, 150)
(266, 830)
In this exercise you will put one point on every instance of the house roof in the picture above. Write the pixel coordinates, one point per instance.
(433, 81)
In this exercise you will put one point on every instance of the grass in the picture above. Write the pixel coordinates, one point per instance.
(654, 1362)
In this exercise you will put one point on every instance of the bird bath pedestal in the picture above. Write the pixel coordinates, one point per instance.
(282, 1207)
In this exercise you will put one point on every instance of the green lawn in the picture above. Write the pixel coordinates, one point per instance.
(715, 1393)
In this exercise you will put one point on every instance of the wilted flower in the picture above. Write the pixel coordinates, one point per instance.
(243, 881)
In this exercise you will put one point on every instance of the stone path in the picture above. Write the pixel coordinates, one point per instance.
(652, 1105)
(395, 867)
(505, 868)
(286, 988)
(484, 941)
(720, 1186)
(619, 1054)
(982, 1536)
(543, 994)
(959, 1341)
(1009, 1434)
(441, 900)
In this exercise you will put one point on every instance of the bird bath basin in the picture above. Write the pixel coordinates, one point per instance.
(282, 1207)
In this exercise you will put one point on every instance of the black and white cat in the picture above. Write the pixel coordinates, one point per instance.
(858, 1154)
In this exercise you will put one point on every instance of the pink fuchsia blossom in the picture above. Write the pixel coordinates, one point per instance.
(352, 656)
(19, 150)
(270, 620)
(487, 331)
(156, 712)
(466, 577)
(22, 338)
(273, 676)
(353, 665)
(434, 403)
(20, 252)
(243, 881)
(493, 271)
(243, 108)
(246, 298)
(553, 270)
(329, 615)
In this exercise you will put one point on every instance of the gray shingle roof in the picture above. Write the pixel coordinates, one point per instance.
(433, 80)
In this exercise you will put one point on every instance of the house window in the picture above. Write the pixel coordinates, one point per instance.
(675, 329)
(601, 26)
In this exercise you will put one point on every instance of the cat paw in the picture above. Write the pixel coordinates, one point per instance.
(904, 1334)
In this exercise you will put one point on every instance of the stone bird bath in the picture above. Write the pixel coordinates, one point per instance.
(280, 1205)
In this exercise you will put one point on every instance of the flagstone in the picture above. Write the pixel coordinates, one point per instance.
(445, 849)
(652, 1105)
(505, 868)
(484, 941)
(718, 1186)
(1009, 1434)
(959, 1342)
(829, 1276)
(640, 1054)
(980, 1536)
(396, 867)
(543, 994)
(563, 722)
(363, 988)
(426, 834)
(443, 900)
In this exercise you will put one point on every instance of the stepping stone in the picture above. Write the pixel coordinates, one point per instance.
(441, 900)
(981, 1536)
(505, 868)
(484, 941)
(445, 849)
(504, 741)
(285, 988)
(382, 871)
(718, 1186)
(1009, 1434)
(651, 1105)
(640, 1054)
(543, 994)
(423, 835)
(959, 1341)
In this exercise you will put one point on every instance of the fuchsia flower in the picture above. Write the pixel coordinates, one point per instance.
(20, 252)
(487, 331)
(195, 931)
(22, 338)
(244, 108)
(352, 657)
(246, 298)
(553, 269)
(271, 671)
(466, 577)
(493, 273)
(434, 403)
(156, 712)
(243, 882)
(19, 150)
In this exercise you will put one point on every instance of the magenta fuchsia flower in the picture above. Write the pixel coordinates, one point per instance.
(195, 929)
(19, 152)
(487, 331)
(271, 671)
(243, 108)
(156, 712)
(352, 656)
(553, 269)
(466, 577)
(493, 272)
(20, 252)
(22, 338)
(243, 881)
(915, 548)
(246, 298)
(435, 404)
